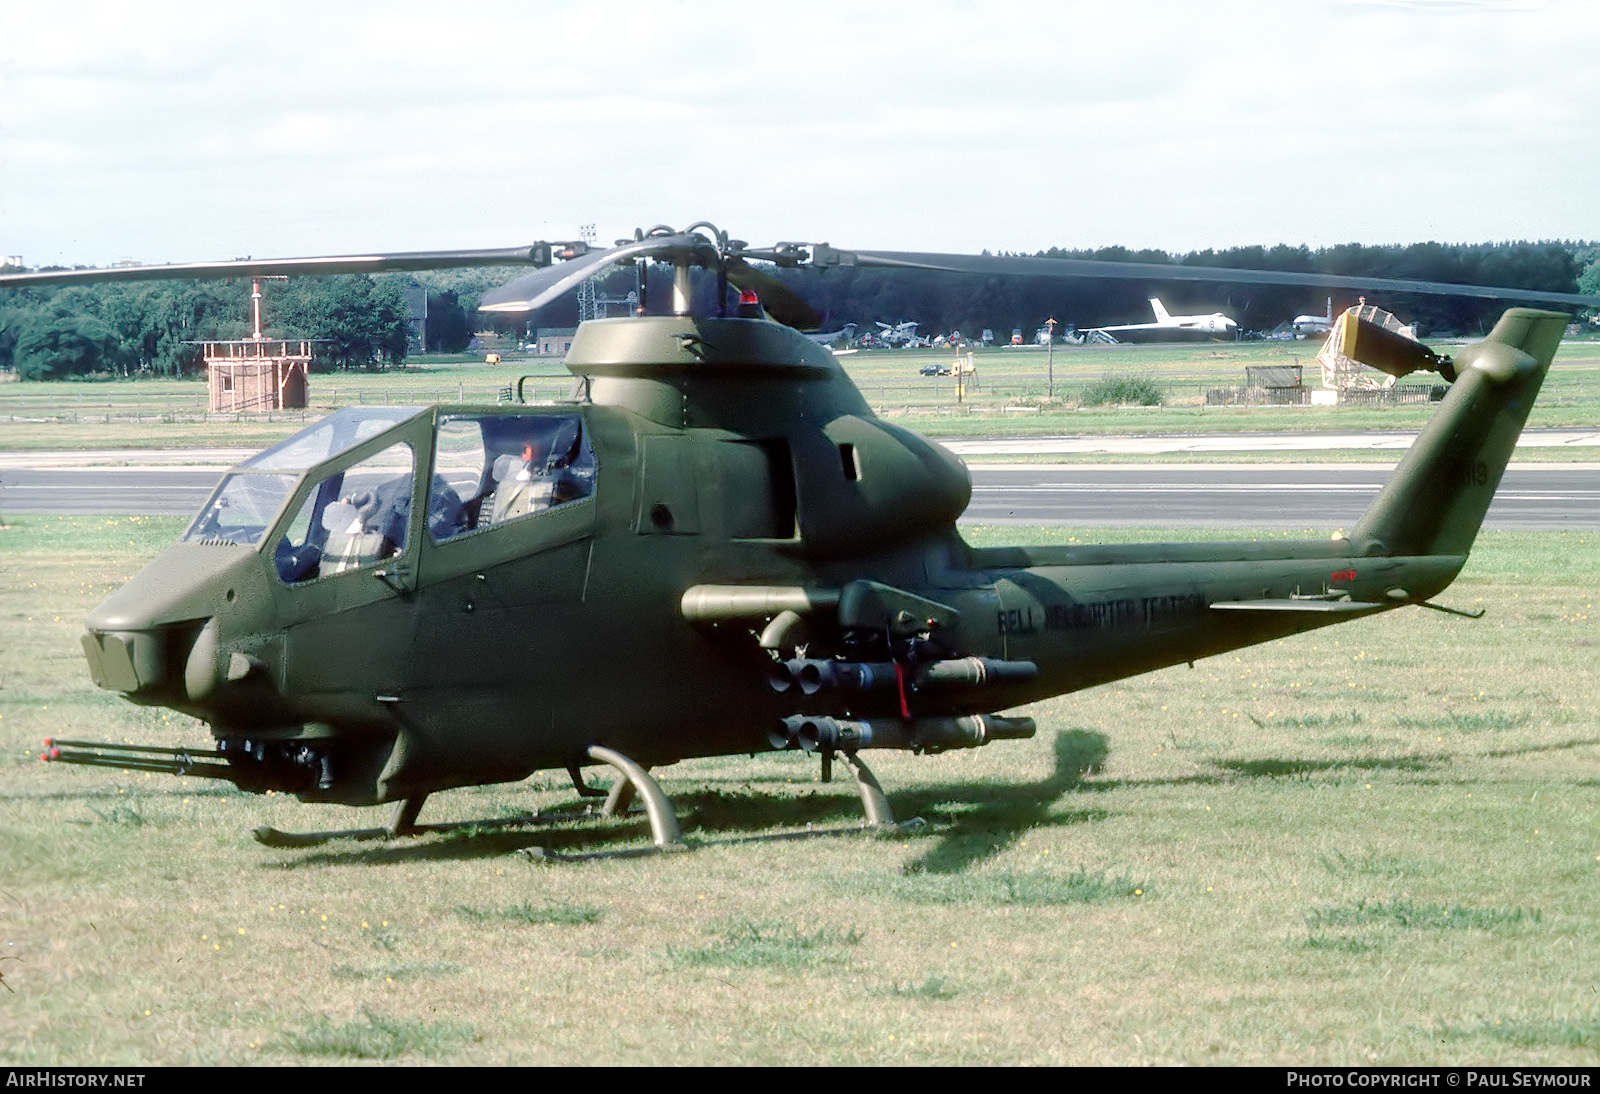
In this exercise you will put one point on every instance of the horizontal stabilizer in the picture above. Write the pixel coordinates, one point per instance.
(1343, 606)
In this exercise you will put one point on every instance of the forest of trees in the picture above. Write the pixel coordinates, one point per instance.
(940, 302)
(147, 328)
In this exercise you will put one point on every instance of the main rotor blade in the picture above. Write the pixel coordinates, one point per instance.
(536, 289)
(782, 303)
(537, 254)
(824, 256)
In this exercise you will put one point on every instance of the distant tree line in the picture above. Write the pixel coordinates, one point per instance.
(151, 327)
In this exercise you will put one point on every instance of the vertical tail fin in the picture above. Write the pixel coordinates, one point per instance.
(1161, 312)
(1434, 502)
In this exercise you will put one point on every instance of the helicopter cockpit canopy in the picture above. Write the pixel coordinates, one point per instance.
(351, 509)
(246, 501)
(351, 516)
(493, 468)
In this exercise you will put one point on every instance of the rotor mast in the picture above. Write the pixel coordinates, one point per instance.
(680, 284)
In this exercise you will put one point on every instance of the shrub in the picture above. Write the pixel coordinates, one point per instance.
(1122, 390)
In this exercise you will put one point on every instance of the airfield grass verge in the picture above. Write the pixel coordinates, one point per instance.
(1011, 395)
(1366, 458)
(934, 421)
(1374, 843)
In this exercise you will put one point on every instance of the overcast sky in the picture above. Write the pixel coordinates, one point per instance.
(166, 131)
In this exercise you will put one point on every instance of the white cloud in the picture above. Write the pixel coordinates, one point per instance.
(179, 130)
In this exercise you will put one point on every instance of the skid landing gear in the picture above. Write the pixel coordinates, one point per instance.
(636, 780)
(402, 822)
(634, 783)
(874, 802)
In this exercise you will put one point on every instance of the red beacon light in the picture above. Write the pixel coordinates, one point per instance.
(750, 305)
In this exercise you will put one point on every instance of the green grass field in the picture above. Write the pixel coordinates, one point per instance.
(1010, 396)
(1372, 844)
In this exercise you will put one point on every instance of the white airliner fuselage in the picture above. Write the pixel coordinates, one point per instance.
(1314, 324)
(1173, 327)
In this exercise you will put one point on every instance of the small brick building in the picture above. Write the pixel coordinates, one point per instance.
(257, 375)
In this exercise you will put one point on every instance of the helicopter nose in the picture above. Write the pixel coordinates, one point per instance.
(145, 664)
(140, 639)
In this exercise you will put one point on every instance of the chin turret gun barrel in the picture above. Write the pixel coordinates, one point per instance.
(252, 765)
(128, 757)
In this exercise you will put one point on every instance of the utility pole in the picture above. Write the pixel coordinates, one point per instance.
(1050, 355)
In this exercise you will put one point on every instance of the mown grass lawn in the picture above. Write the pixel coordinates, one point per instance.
(1372, 844)
(1012, 394)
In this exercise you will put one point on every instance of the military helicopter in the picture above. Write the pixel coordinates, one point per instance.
(715, 548)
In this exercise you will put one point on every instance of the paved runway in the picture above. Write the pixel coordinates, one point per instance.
(1264, 496)
(1387, 441)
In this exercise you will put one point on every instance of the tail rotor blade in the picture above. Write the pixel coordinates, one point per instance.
(1388, 351)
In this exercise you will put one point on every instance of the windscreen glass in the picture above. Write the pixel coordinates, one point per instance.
(490, 469)
(241, 509)
(352, 518)
(336, 433)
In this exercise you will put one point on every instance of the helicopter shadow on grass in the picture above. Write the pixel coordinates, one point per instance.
(753, 811)
(1285, 768)
(972, 822)
(470, 841)
(1003, 813)
(1279, 769)
(1555, 746)
(597, 836)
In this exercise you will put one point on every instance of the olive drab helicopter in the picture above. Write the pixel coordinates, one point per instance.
(715, 548)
